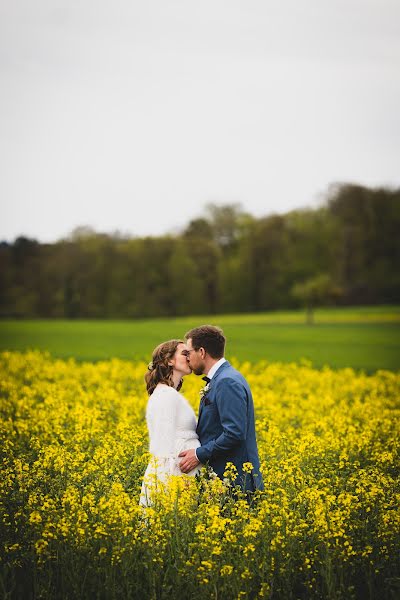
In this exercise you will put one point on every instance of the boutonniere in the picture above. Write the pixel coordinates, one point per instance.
(203, 393)
(204, 390)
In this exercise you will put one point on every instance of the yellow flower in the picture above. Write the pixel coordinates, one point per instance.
(35, 517)
(226, 570)
(248, 467)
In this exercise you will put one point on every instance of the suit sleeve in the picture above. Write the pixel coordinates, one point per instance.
(231, 401)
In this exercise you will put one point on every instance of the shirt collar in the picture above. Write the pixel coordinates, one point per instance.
(215, 367)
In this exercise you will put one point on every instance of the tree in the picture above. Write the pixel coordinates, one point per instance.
(223, 261)
(229, 223)
(185, 288)
(315, 291)
(266, 263)
(368, 224)
(199, 229)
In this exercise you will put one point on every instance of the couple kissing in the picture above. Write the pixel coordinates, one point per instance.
(225, 429)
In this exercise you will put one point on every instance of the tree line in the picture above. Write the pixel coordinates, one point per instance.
(346, 251)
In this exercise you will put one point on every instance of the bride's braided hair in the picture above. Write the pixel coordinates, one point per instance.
(159, 371)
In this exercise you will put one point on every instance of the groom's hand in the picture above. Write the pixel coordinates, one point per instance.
(190, 460)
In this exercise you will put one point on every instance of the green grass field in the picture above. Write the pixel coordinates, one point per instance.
(362, 338)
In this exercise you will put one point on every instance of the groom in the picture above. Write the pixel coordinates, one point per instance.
(226, 416)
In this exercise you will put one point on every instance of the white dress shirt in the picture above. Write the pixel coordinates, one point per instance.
(215, 368)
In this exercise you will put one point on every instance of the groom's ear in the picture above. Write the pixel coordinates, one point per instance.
(202, 352)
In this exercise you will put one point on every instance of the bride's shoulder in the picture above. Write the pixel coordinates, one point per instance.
(165, 393)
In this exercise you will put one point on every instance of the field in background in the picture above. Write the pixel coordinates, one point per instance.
(363, 338)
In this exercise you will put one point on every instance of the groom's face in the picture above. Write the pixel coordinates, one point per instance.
(195, 358)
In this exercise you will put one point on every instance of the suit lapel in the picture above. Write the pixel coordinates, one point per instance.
(219, 371)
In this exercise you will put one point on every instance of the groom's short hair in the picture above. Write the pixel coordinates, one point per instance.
(210, 338)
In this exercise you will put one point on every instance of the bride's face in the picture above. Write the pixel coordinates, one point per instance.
(180, 362)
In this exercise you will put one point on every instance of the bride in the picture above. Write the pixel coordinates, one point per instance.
(170, 419)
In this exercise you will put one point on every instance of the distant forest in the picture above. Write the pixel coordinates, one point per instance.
(345, 252)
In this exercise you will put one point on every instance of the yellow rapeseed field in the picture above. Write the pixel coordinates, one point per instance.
(74, 450)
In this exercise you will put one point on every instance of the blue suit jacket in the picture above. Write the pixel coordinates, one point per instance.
(226, 427)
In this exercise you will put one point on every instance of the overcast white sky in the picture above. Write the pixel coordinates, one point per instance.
(131, 115)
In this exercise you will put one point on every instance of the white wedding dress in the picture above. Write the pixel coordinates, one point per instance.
(171, 422)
